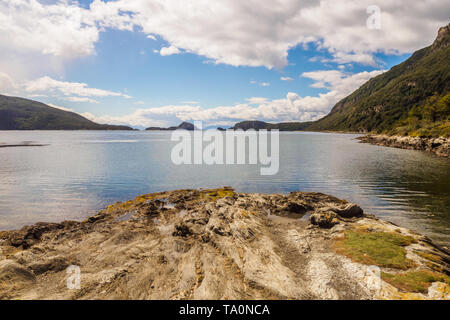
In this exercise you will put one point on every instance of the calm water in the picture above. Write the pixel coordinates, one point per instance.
(80, 172)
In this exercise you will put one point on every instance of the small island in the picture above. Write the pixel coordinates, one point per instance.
(183, 125)
(219, 244)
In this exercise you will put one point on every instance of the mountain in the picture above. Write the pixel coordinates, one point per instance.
(183, 125)
(23, 114)
(284, 126)
(412, 98)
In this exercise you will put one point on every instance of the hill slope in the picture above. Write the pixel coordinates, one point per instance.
(411, 98)
(284, 126)
(23, 114)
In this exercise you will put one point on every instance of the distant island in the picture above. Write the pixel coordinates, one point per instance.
(183, 125)
(24, 114)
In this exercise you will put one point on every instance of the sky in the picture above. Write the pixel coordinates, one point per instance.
(159, 62)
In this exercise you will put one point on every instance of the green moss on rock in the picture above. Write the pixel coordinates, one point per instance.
(414, 281)
(384, 249)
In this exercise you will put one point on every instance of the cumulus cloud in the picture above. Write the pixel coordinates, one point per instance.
(160, 117)
(60, 29)
(259, 35)
(49, 85)
(167, 51)
(291, 108)
(81, 99)
(286, 79)
(324, 78)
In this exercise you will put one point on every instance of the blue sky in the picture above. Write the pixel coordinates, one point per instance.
(104, 59)
(126, 61)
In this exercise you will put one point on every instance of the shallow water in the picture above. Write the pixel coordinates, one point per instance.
(80, 172)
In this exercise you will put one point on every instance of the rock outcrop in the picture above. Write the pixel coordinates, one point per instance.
(439, 146)
(218, 244)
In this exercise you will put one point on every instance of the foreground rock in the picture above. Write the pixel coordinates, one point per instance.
(217, 244)
(439, 146)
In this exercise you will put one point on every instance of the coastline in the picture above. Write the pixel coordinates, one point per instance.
(219, 244)
(22, 145)
(439, 146)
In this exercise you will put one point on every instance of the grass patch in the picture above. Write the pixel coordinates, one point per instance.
(429, 256)
(384, 249)
(414, 281)
(433, 261)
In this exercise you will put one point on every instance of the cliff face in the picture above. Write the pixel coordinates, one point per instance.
(217, 244)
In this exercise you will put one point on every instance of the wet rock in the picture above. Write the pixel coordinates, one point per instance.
(295, 207)
(324, 219)
(439, 146)
(350, 210)
(29, 235)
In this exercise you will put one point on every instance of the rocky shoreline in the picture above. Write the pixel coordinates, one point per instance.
(219, 244)
(439, 146)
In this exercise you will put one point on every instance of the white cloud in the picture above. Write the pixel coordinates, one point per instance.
(49, 85)
(264, 84)
(286, 79)
(259, 35)
(167, 51)
(60, 29)
(291, 108)
(160, 117)
(81, 99)
(362, 58)
(256, 100)
(324, 78)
